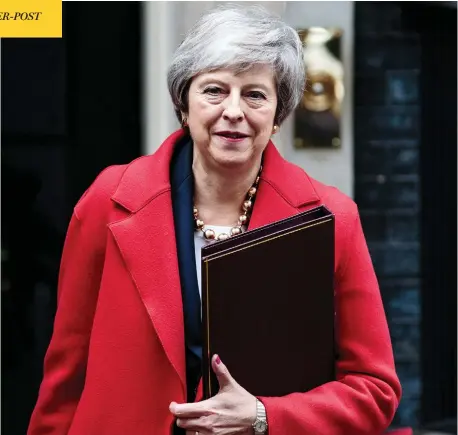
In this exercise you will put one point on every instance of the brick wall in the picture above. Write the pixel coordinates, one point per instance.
(387, 133)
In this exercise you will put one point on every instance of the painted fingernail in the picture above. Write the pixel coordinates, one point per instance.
(218, 360)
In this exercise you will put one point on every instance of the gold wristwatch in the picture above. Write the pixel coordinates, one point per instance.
(260, 424)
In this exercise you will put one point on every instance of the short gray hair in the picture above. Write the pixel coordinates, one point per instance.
(239, 37)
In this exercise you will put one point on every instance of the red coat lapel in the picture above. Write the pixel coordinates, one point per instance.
(284, 190)
(146, 240)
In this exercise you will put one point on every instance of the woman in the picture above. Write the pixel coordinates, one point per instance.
(125, 354)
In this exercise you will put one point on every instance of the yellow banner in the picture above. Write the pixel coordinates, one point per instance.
(30, 18)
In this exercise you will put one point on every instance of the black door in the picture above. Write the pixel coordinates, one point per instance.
(70, 107)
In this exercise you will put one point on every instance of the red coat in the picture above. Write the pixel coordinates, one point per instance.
(117, 356)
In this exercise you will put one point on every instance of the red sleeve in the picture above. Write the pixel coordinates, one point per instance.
(66, 357)
(367, 391)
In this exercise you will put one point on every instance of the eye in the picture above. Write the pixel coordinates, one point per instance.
(256, 95)
(213, 90)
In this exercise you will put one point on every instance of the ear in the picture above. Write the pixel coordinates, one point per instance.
(184, 119)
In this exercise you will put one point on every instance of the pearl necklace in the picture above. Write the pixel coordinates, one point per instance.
(243, 218)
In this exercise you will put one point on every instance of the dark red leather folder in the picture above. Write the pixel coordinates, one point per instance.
(268, 306)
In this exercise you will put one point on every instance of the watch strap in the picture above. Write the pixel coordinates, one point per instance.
(260, 416)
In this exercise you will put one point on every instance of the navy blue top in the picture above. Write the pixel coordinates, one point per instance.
(182, 183)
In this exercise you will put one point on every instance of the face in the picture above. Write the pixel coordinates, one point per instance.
(231, 117)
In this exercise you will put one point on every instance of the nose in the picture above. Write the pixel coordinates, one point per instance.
(233, 112)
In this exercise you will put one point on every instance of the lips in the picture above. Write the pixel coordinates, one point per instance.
(231, 134)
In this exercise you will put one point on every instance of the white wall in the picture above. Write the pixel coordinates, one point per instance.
(166, 23)
(160, 40)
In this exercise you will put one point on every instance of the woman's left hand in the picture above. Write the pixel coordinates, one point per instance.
(231, 411)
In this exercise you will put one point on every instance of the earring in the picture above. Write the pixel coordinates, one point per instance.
(184, 122)
(275, 129)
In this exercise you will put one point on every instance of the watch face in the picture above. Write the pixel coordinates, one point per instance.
(260, 426)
